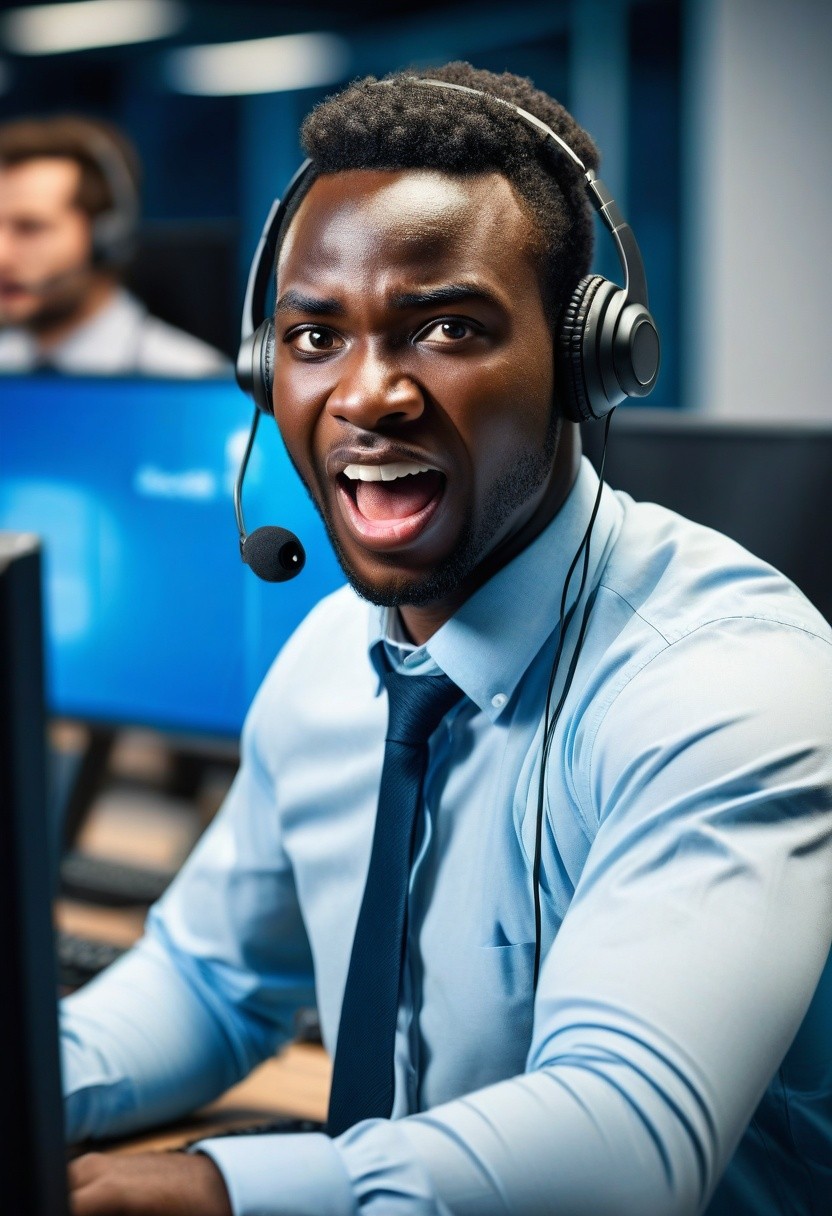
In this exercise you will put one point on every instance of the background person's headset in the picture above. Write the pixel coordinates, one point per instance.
(606, 343)
(113, 229)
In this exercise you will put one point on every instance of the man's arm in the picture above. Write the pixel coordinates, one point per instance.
(677, 981)
(209, 992)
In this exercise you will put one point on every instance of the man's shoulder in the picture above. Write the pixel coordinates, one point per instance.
(321, 678)
(331, 640)
(168, 351)
(678, 576)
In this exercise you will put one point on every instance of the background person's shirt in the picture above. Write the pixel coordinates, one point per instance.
(122, 338)
(686, 887)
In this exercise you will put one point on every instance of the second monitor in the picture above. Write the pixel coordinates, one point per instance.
(152, 619)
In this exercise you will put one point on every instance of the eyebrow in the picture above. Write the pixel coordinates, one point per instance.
(296, 301)
(449, 293)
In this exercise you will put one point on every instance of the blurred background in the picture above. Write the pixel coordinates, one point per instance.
(713, 119)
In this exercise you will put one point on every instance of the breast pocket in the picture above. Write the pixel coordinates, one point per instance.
(506, 973)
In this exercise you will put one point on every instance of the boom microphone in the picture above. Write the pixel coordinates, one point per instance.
(274, 554)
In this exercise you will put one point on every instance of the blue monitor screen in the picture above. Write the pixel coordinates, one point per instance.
(152, 618)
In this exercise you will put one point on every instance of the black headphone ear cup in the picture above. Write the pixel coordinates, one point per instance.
(255, 366)
(572, 390)
(113, 242)
(607, 350)
(267, 366)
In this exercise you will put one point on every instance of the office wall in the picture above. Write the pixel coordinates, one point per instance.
(758, 182)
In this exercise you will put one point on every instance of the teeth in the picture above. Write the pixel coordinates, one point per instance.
(384, 472)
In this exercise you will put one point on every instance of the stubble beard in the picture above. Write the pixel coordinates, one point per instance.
(512, 491)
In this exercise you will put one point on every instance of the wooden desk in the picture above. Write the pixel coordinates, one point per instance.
(121, 926)
(294, 1083)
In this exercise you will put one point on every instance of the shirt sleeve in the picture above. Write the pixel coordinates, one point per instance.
(213, 986)
(679, 977)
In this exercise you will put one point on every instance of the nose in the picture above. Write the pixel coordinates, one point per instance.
(373, 390)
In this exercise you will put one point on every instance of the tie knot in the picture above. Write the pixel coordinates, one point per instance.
(417, 704)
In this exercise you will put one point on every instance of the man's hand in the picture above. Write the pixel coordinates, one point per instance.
(147, 1184)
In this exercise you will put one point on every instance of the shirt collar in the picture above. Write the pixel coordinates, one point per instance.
(107, 341)
(487, 646)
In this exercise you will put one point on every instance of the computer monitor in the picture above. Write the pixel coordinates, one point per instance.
(764, 483)
(187, 272)
(32, 1173)
(151, 617)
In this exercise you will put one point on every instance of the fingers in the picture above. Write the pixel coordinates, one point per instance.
(146, 1184)
(92, 1189)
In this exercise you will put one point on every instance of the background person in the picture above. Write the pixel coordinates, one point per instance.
(69, 208)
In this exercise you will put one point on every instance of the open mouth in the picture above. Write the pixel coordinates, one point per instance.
(389, 504)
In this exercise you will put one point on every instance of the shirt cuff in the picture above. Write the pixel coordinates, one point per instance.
(282, 1175)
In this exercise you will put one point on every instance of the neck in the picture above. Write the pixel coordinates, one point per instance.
(422, 622)
(52, 330)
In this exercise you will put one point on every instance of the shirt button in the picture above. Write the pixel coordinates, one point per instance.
(498, 700)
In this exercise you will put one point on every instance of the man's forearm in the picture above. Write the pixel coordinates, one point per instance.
(139, 1046)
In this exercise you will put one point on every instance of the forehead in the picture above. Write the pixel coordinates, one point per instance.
(39, 185)
(363, 222)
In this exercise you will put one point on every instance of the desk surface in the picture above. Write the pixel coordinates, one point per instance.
(295, 1083)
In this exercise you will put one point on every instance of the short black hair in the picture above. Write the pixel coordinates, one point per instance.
(410, 126)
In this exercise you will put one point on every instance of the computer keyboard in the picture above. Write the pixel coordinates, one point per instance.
(307, 1026)
(99, 880)
(274, 1126)
(80, 958)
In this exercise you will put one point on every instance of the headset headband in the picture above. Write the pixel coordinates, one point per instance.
(629, 254)
(607, 345)
(114, 228)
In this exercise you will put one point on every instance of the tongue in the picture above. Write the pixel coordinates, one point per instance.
(379, 500)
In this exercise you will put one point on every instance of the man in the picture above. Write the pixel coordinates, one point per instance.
(665, 1063)
(68, 212)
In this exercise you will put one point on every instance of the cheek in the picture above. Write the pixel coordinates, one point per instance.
(63, 248)
(299, 411)
(502, 412)
(78, 239)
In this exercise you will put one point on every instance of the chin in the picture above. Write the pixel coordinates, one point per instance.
(398, 588)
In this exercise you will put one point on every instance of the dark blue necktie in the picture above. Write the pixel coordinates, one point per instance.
(362, 1077)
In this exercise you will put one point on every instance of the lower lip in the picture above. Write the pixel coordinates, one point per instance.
(386, 533)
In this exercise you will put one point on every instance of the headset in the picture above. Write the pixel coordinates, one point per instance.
(606, 343)
(114, 229)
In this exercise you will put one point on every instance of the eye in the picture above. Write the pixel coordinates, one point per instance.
(450, 331)
(315, 340)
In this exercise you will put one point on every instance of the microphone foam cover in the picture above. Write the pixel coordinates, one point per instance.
(274, 554)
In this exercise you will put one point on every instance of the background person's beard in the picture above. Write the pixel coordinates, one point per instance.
(66, 304)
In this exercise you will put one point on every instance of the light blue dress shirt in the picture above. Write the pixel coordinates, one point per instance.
(668, 1064)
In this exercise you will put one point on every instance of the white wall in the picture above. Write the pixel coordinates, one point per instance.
(758, 189)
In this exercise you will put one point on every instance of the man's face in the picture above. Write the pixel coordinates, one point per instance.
(44, 241)
(414, 376)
